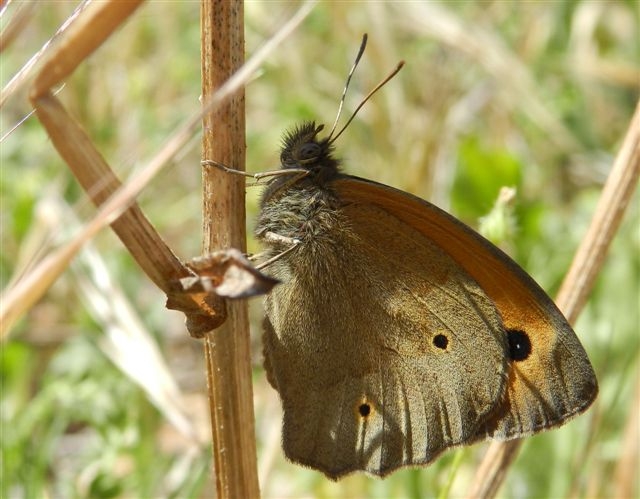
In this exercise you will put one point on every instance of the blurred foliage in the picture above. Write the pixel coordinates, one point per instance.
(531, 95)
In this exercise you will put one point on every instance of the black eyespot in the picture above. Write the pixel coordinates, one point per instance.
(364, 410)
(440, 341)
(310, 150)
(519, 345)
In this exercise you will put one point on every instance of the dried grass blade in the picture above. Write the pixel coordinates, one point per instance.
(617, 192)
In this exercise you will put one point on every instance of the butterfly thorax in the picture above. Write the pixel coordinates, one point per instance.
(302, 206)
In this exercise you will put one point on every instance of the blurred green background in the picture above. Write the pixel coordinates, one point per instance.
(103, 391)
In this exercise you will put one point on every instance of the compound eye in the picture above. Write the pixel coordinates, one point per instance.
(310, 150)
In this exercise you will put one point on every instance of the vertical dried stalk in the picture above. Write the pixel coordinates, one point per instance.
(626, 473)
(577, 285)
(227, 349)
(612, 204)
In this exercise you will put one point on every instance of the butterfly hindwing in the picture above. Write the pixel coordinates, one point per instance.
(372, 341)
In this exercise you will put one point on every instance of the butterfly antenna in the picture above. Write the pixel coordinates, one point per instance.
(363, 45)
(363, 102)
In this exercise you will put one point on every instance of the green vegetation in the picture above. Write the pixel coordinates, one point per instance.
(531, 95)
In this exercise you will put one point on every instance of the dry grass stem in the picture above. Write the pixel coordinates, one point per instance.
(626, 472)
(227, 350)
(89, 30)
(116, 202)
(617, 192)
(16, 23)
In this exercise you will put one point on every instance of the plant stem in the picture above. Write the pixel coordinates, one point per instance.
(227, 349)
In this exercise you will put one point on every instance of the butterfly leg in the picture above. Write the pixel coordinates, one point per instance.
(272, 237)
(299, 172)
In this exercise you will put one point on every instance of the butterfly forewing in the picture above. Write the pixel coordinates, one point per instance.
(550, 376)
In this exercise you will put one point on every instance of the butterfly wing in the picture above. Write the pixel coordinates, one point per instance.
(385, 352)
(550, 376)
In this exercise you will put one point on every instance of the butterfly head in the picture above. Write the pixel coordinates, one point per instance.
(302, 148)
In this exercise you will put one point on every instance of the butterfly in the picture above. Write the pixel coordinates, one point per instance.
(397, 331)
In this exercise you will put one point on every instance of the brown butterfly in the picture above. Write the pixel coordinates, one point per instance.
(397, 331)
